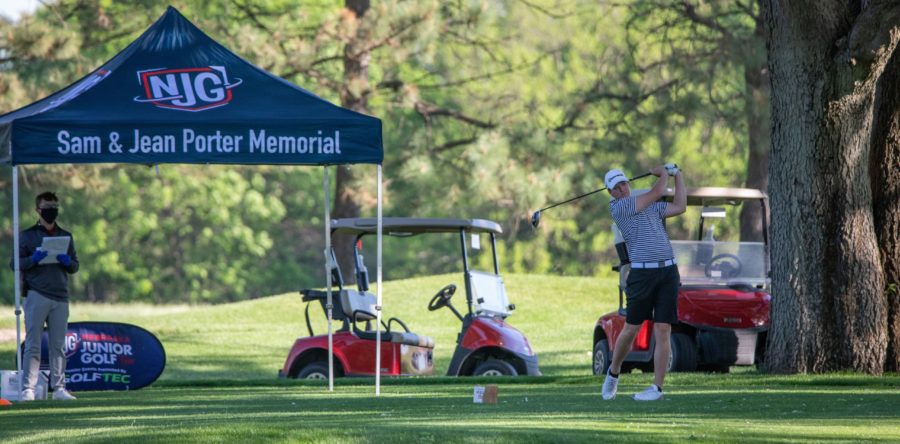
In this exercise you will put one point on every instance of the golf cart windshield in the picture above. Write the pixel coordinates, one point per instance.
(712, 252)
(489, 294)
(715, 263)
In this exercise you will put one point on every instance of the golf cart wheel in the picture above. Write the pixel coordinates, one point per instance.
(316, 370)
(683, 356)
(602, 357)
(494, 367)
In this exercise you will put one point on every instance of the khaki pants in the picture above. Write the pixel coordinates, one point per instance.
(40, 309)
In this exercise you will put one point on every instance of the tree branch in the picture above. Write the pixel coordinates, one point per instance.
(594, 95)
(427, 111)
(452, 144)
(545, 11)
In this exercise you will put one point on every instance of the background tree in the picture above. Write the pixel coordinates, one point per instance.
(491, 109)
(715, 53)
(834, 176)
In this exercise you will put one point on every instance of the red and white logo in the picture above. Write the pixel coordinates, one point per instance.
(186, 89)
(71, 344)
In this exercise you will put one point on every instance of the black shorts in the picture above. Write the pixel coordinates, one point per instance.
(652, 293)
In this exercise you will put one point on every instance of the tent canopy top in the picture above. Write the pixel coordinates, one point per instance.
(175, 95)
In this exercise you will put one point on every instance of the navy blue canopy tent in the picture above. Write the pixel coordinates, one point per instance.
(175, 95)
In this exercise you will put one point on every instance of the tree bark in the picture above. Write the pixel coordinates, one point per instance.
(886, 188)
(829, 306)
(354, 92)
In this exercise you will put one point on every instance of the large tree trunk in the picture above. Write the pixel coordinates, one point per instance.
(354, 93)
(756, 79)
(829, 307)
(886, 187)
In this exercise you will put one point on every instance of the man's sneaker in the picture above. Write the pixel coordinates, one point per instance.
(652, 393)
(27, 395)
(610, 385)
(62, 394)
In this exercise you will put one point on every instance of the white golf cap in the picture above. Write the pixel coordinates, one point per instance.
(613, 178)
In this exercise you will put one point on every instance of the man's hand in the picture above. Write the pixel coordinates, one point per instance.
(63, 259)
(671, 168)
(38, 256)
(658, 171)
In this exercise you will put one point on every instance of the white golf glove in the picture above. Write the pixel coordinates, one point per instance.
(671, 168)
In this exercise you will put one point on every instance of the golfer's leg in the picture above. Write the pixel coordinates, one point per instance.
(638, 294)
(57, 324)
(623, 346)
(661, 333)
(664, 315)
(36, 310)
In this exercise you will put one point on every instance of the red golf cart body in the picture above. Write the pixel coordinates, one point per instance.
(354, 342)
(487, 344)
(355, 356)
(723, 302)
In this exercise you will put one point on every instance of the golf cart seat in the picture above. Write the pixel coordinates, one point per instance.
(360, 306)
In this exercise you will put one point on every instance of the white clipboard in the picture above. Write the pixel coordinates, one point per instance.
(54, 245)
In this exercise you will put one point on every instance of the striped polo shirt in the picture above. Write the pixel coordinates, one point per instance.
(644, 232)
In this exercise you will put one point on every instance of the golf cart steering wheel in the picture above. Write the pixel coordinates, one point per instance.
(442, 298)
(728, 265)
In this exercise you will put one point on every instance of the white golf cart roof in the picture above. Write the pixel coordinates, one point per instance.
(717, 195)
(406, 226)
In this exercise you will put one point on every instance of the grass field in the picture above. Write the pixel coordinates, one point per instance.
(220, 384)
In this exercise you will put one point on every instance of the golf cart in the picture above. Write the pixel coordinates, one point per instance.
(723, 302)
(402, 352)
(487, 345)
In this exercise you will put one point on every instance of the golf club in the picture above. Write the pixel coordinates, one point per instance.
(536, 217)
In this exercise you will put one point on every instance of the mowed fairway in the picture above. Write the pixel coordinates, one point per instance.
(220, 384)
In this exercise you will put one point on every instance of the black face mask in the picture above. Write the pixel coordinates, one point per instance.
(49, 214)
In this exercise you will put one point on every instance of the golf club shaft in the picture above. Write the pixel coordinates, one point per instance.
(588, 194)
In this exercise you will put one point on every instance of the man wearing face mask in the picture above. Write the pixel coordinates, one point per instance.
(46, 289)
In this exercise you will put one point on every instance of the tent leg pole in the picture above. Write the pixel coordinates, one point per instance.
(328, 266)
(16, 266)
(379, 298)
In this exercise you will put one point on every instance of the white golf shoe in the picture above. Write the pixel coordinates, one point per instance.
(652, 393)
(27, 395)
(610, 385)
(62, 394)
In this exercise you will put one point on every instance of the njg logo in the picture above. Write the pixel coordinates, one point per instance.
(186, 89)
(71, 344)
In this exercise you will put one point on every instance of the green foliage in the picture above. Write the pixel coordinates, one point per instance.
(491, 109)
(198, 234)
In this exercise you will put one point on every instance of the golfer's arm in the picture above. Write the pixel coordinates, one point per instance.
(679, 202)
(645, 200)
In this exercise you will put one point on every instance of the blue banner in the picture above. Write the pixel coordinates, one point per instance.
(177, 96)
(109, 356)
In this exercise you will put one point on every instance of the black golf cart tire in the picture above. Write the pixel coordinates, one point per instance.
(316, 368)
(683, 353)
(502, 367)
(601, 351)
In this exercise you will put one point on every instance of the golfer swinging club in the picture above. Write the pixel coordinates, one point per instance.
(652, 286)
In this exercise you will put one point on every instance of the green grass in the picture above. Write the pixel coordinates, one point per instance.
(250, 340)
(220, 384)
